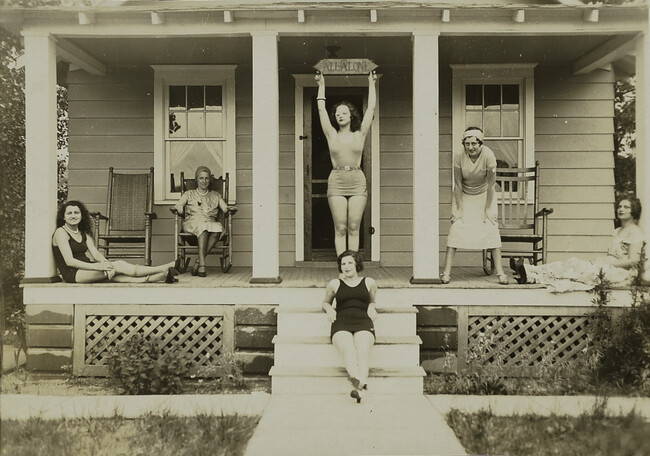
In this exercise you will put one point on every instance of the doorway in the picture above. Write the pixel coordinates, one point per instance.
(318, 224)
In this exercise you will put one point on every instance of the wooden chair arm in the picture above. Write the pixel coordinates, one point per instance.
(544, 212)
(232, 210)
(98, 216)
(174, 211)
(151, 215)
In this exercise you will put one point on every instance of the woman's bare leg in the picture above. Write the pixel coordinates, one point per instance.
(86, 276)
(449, 260)
(344, 343)
(498, 262)
(136, 270)
(203, 244)
(213, 238)
(356, 207)
(363, 341)
(339, 208)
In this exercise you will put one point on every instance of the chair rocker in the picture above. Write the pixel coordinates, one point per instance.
(523, 226)
(186, 242)
(129, 213)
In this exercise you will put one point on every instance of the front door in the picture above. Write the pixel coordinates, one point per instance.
(319, 227)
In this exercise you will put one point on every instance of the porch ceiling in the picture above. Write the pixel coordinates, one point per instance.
(296, 50)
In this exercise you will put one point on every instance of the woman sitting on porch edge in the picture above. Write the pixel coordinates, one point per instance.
(619, 266)
(352, 318)
(79, 261)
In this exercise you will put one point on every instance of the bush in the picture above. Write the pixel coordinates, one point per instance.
(142, 367)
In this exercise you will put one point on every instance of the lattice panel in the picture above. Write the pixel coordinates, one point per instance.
(522, 341)
(200, 338)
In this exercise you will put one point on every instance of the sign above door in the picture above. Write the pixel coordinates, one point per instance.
(345, 66)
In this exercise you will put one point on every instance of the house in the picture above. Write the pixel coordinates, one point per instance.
(539, 76)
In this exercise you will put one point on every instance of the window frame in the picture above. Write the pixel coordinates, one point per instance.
(167, 75)
(522, 74)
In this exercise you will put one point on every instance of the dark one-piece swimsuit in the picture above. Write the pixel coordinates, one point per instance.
(79, 250)
(352, 309)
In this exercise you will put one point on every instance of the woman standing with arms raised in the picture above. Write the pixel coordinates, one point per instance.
(346, 186)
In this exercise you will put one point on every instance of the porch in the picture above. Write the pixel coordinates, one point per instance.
(77, 324)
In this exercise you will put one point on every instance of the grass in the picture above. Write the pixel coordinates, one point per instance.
(591, 434)
(166, 435)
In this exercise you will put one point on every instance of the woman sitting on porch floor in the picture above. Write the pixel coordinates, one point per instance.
(79, 261)
(619, 266)
(474, 204)
(346, 185)
(352, 318)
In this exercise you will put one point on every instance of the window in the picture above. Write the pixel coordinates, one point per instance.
(500, 100)
(194, 125)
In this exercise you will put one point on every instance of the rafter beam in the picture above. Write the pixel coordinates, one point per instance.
(79, 58)
(612, 50)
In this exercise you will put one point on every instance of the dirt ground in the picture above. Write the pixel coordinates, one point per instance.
(21, 382)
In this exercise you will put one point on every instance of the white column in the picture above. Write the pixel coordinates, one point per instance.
(40, 163)
(643, 127)
(426, 149)
(266, 155)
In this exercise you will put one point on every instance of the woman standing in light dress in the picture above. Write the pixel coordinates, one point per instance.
(619, 266)
(474, 206)
(346, 186)
(200, 208)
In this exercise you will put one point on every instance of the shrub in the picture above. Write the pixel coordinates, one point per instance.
(228, 368)
(142, 367)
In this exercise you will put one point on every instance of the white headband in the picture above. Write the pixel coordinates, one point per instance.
(477, 133)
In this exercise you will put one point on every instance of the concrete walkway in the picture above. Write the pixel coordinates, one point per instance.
(334, 424)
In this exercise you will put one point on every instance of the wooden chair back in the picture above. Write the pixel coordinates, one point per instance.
(130, 198)
(517, 206)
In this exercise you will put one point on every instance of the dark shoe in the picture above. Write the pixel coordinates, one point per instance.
(171, 275)
(356, 394)
(201, 271)
(195, 268)
(181, 266)
(513, 264)
(522, 277)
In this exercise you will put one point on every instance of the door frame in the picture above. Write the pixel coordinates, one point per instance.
(307, 80)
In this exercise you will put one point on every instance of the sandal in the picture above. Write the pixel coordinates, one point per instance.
(444, 278)
(503, 279)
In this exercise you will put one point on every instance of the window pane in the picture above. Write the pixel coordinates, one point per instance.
(492, 125)
(492, 96)
(506, 152)
(186, 156)
(510, 123)
(474, 96)
(511, 96)
(196, 124)
(213, 97)
(214, 124)
(474, 119)
(176, 96)
(195, 97)
(177, 124)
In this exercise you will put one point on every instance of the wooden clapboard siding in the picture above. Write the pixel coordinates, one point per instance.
(574, 130)
(396, 166)
(111, 124)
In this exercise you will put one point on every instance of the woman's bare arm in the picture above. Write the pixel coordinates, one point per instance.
(324, 117)
(366, 123)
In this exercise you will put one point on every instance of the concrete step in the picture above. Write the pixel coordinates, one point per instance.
(312, 321)
(334, 380)
(317, 351)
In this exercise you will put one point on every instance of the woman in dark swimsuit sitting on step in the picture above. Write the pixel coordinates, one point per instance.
(352, 317)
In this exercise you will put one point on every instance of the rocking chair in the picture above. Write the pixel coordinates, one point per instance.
(186, 242)
(129, 209)
(522, 224)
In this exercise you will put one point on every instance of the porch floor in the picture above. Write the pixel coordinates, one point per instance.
(317, 277)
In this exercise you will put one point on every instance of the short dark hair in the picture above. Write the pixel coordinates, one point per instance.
(635, 204)
(356, 256)
(355, 117)
(84, 224)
